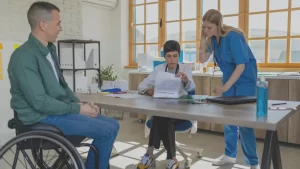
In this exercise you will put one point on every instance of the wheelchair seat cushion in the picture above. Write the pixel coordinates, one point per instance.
(38, 126)
(20, 128)
(182, 125)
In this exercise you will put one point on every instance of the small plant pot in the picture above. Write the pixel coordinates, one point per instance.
(107, 84)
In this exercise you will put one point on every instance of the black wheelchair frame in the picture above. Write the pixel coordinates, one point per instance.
(47, 129)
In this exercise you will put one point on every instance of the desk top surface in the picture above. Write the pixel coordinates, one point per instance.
(238, 115)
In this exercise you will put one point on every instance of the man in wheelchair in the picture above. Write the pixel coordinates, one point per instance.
(41, 95)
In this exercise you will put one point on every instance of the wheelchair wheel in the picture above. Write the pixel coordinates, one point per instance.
(27, 151)
(54, 158)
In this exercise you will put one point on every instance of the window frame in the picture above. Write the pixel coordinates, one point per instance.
(243, 18)
(133, 64)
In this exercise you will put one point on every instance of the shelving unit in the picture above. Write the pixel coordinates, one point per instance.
(74, 69)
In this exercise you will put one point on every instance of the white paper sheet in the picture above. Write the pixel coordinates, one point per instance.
(125, 96)
(167, 86)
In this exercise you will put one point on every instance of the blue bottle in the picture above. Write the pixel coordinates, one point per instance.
(262, 98)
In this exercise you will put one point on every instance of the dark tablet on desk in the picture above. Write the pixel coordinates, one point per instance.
(231, 100)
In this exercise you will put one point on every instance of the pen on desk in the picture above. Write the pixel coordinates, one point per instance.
(282, 108)
(275, 104)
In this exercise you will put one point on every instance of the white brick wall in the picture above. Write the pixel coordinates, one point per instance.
(14, 28)
(14, 25)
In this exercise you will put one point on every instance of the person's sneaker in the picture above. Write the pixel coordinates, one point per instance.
(224, 159)
(172, 164)
(255, 167)
(146, 162)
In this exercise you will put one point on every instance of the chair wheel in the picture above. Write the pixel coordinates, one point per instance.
(151, 165)
(199, 154)
(141, 167)
(188, 164)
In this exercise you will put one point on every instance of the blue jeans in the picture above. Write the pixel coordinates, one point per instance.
(102, 129)
(247, 135)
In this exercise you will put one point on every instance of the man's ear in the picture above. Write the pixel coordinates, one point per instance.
(42, 25)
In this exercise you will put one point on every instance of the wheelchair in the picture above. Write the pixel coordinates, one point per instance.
(33, 140)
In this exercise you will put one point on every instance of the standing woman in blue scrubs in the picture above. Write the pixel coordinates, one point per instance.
(238, 65)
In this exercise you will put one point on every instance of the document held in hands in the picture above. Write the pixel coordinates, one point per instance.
(167, 86)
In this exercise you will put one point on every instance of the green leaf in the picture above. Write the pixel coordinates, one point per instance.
(107, 73)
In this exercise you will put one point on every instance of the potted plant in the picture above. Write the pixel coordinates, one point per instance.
(106, 78)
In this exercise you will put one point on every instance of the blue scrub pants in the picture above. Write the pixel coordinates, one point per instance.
(102, 129)
(247, 135)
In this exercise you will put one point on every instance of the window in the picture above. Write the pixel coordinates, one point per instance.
(270, 26)
(273, 32)
(145, 28)
(181, 25)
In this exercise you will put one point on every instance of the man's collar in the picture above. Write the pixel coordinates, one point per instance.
(43, 49)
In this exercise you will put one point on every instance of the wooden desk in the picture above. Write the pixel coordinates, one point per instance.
(285, 88)
(238, 115)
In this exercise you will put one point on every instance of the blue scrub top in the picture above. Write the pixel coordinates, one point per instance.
(234, 50)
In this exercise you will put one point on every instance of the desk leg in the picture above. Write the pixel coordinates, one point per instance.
(271, 151)
(276, 156)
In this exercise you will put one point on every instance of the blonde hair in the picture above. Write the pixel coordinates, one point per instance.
(215, 17)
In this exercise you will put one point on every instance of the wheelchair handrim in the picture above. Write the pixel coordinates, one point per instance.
(29, 135)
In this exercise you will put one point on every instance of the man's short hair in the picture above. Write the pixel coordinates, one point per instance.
(40, 11)
(171, 46)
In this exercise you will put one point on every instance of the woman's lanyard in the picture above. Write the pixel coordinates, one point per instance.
(176, 71)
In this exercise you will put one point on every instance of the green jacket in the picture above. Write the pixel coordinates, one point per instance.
(35, 91)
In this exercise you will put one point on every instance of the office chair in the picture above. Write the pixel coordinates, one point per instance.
(181, 127)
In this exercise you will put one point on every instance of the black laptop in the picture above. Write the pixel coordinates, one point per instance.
(231, 100)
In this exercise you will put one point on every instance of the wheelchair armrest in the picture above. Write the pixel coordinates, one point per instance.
(11, 124)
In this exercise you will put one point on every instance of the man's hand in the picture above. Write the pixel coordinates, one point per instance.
(150, 91)
(183, 77)
(88, 109)
(96, 108)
